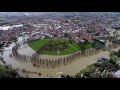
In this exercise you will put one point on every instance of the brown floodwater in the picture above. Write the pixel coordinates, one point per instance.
(71, 68)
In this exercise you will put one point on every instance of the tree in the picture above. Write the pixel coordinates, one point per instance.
(1, 45)
(86, 42)
(34, 64)
(66, 35)
(71, 41)
(39, 74)
(63, 76)
(82, 46)
(118, 54)
(111, 54)
(112, 61)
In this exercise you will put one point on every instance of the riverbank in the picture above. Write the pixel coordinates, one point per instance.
(7, 72)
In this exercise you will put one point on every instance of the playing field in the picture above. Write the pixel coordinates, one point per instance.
(35, 45)
(71, 49)
(74, 47)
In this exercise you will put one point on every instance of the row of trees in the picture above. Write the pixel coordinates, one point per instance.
(61, 61)
(47, 62)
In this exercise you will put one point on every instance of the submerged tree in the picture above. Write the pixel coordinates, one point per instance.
(82, 46)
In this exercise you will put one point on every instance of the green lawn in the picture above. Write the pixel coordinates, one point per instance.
(35, 45)
(71, 49)
(74, 47)
(87, 46)
(88, 69)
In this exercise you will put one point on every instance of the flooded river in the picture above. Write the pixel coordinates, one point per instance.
(9, 27)
(71, 69)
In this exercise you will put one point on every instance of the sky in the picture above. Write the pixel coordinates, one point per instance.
(38, 13)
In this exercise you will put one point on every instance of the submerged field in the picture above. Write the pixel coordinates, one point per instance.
(71, 47)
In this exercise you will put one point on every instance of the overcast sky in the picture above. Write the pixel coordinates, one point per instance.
(35, 13)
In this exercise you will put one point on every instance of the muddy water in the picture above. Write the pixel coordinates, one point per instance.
(9, 27)
(71, 69)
